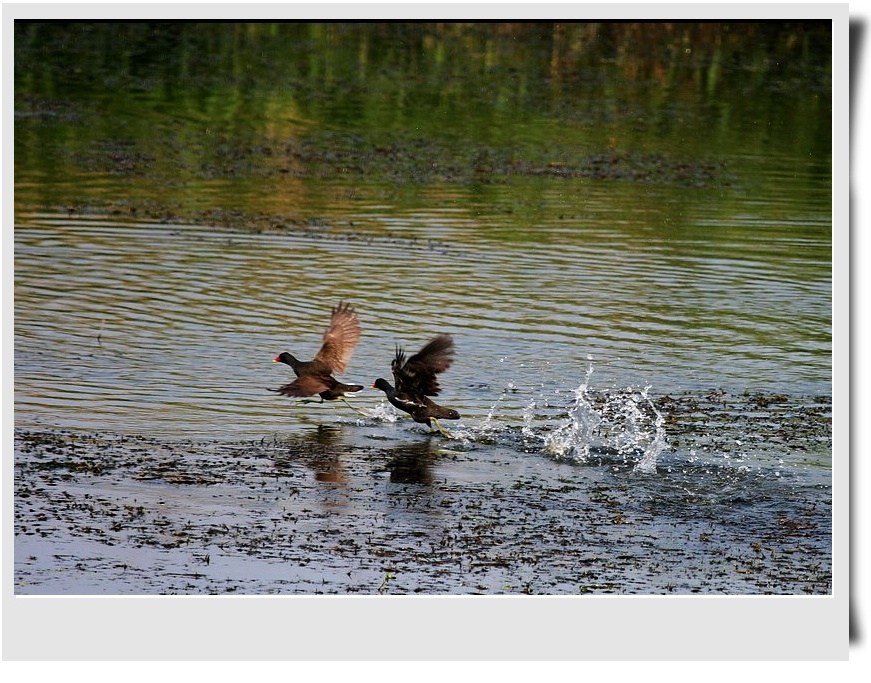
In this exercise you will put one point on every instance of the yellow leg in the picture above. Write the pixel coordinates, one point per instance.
(355, 409)
(444, 431)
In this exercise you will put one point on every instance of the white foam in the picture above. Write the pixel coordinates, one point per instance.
(384, 412)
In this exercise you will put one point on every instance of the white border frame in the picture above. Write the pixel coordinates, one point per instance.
(436, 628)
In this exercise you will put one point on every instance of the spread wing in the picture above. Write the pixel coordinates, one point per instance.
(400, 378)
(417, 375)
(307, 385)
(340, 338)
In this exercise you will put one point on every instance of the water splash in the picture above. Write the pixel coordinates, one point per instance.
(573, 438)
(490, 426)
(527, 430)
(603, 425)
(625, 423)
(383, 412)
(657, 444)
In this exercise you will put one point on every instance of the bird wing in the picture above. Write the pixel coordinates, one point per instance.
(396, 365)
(417, 375)
(340, 338)
(307, 385)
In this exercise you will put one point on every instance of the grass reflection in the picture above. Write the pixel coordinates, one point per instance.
(171, 105)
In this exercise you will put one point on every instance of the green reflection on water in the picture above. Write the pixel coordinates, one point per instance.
(311, 119)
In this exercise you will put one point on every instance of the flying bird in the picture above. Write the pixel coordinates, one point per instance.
(316, 376)
(416, 380)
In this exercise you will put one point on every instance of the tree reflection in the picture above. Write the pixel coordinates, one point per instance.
(201, 113)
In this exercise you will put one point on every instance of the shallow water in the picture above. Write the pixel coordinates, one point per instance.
(373, 507)
(632, 252)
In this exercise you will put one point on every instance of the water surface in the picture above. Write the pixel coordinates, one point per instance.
(167, 328)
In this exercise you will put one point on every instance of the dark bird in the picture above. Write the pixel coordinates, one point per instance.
(316, 376)
(416, 380)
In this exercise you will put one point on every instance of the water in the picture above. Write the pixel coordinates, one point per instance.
(637, 277)
(172, 329)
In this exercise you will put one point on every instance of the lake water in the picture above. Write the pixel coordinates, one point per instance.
(633, 254)
(173, 328)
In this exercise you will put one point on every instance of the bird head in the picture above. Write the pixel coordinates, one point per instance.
(382, 384)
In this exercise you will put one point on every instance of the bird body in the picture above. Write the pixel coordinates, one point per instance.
(316, 376)
(421, 408)
(415, 380)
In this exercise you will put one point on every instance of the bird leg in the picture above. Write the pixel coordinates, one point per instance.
(354, 408)
(441, 429)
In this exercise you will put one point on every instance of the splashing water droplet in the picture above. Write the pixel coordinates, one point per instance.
(647, 464)
(490, 425)
(626, 422)
(573, 438)
(528, 415)
(384, 412)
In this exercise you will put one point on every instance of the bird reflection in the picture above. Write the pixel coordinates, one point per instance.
(319, 450)
(411, 463)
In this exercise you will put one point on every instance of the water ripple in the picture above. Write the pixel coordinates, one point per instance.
(174, 325)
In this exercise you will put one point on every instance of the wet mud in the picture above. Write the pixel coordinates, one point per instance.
(368, 507)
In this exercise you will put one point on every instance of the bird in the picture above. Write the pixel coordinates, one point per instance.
(316, 376)
(416, 380)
